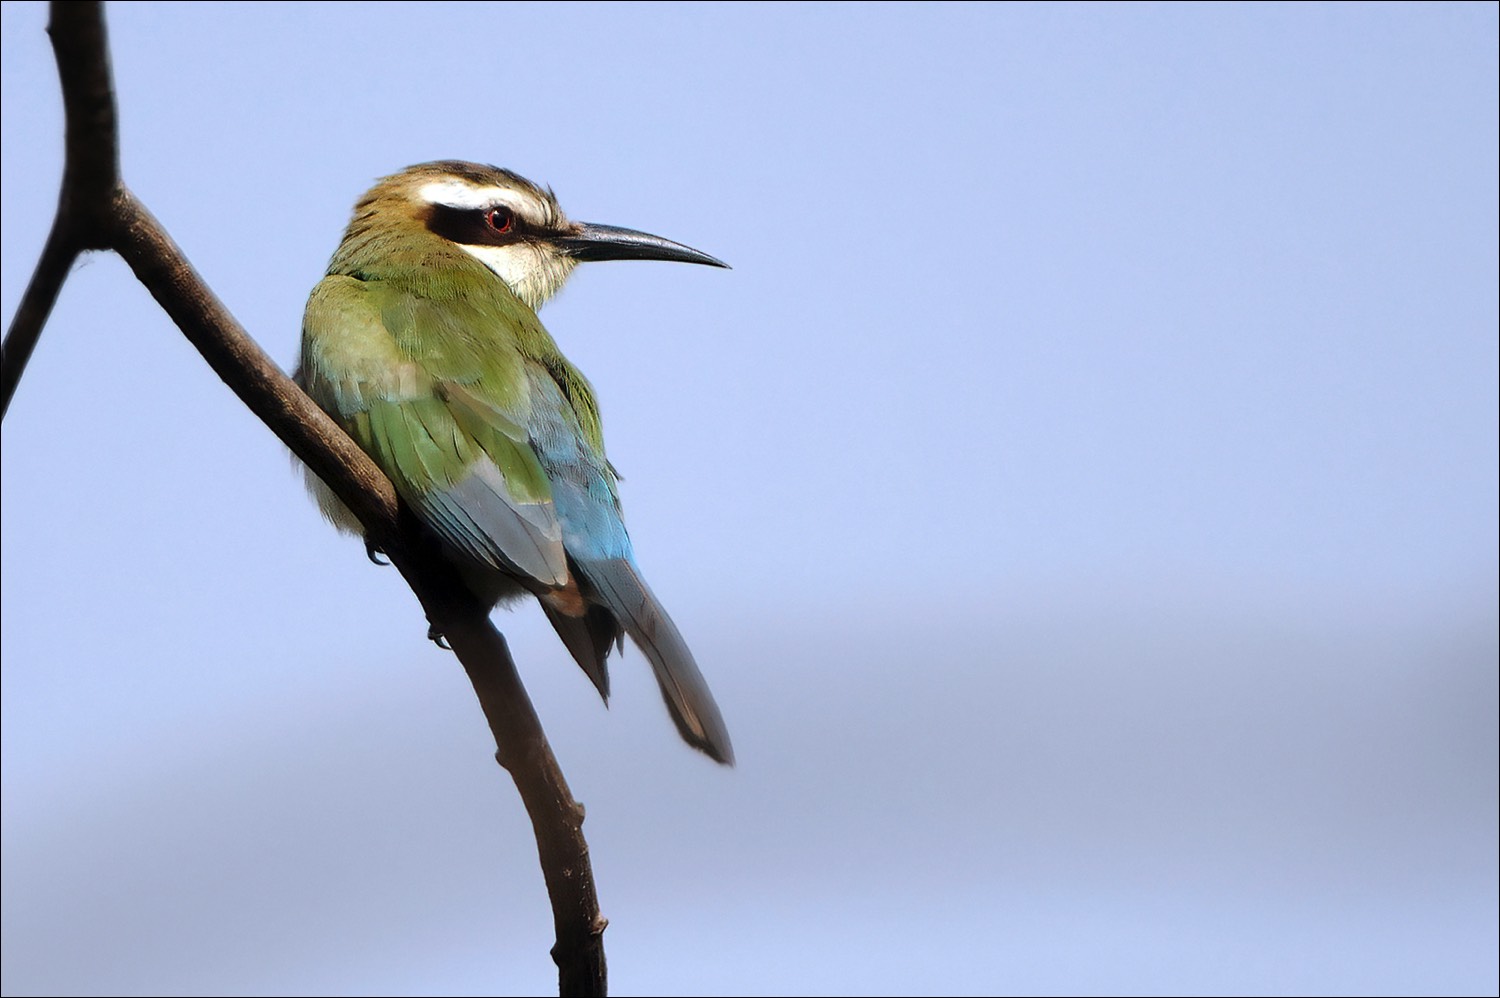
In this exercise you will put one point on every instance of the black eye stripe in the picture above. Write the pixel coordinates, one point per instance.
(471, 226)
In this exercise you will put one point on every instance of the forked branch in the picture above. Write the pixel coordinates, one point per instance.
(96, 211)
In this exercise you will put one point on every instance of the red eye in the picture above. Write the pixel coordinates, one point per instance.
(499, 219)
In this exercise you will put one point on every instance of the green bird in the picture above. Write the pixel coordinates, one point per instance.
(423, 343)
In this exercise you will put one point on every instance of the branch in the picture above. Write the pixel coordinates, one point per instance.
(91, 171)
(52, 269)
(97, 211)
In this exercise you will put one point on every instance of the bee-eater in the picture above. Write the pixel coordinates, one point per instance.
(423, 343)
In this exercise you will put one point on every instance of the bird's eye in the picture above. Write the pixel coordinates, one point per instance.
(500, 219)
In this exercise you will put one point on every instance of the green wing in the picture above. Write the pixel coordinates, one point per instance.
(436, 393)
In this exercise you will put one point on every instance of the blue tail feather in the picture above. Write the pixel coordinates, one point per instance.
(618, 586)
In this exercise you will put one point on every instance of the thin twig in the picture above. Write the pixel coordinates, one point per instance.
(91, 170)
(52, 269)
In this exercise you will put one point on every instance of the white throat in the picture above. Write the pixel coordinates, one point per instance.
(535, 273)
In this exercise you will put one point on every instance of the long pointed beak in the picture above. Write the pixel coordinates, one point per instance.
(609, 242)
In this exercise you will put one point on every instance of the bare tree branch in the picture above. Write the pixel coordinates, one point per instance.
(91, 171)
(52, 269)
(97, 211)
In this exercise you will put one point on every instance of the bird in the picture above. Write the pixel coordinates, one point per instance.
(422, 342)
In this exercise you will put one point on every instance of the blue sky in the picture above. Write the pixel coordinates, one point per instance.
(1081, 496)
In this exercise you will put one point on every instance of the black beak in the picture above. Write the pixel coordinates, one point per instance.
(609, 242)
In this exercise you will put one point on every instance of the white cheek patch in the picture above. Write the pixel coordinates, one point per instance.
(532, 274)
(510, 263)
(467, 197)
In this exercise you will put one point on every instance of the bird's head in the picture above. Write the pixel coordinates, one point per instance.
(500, 218)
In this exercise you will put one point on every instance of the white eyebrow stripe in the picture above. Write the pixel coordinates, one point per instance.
(457, 194)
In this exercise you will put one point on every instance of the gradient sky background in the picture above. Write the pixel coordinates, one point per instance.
(1081, 496)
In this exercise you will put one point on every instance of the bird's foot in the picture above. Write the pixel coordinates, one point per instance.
(436, 637)
(374, 553)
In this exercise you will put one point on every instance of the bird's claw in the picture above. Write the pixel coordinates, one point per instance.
(373, 552)
(436, 637)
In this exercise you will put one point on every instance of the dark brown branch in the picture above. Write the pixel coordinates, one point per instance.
(91, 170)
(96, 211)
(52, 269)
(579, 950)
(521, 746)
(237, 359)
